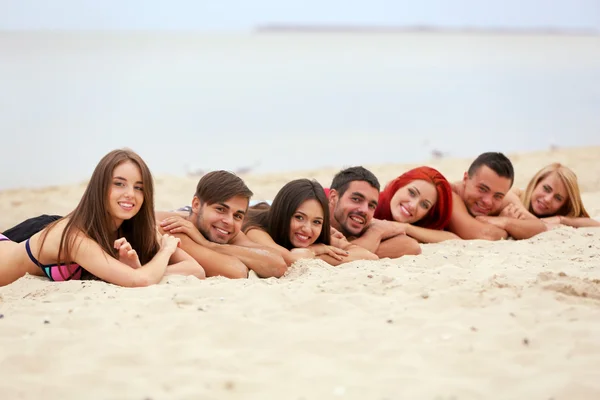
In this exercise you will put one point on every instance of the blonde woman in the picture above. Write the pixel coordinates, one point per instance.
(553, 196)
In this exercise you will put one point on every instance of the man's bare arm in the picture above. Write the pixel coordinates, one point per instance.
(214, 263)
(369, 240)
(512, 207)
(266, 262)
(517, 228)
(524, 228)
(398, 246)
(467, 227)
(377, 232)
(354, 253)
(424, 235)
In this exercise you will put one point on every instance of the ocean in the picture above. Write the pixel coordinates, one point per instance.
(264, 102)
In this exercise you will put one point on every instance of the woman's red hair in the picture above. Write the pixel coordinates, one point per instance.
(438, 216)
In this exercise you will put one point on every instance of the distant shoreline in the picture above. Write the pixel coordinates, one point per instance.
(309, 28)
(324, 29)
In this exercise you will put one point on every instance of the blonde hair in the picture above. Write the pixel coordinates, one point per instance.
(573, 206)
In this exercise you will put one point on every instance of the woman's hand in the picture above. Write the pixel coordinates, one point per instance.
(178, 224)
(169, 243)
(338, 239)
(552, 222)
(127, 255)
(555, 220)
(512, 211)
(332, 251)
(336, 234)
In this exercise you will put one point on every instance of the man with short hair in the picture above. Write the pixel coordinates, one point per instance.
(210, 230)
(480, 197)
(353, 198)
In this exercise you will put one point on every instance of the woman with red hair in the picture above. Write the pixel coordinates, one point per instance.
(420, 200)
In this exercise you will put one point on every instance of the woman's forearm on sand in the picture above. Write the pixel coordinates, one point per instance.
(579, 222)
(425, 235)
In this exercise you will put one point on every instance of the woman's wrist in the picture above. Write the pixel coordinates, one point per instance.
(164, 252)
(314, 248)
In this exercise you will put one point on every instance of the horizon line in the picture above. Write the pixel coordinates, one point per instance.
(363, 28)
(332, 28)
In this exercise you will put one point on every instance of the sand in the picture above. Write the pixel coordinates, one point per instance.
(464, 320)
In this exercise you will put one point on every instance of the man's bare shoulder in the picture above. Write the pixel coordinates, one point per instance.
(517, 191)
(458, 203)
(166, 214)
(457, 187)
(241, 239)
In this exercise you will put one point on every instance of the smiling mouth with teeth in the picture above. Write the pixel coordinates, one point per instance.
(127, 206)
(221, 231)
(358, 220)
(302, 237)
(406, 212)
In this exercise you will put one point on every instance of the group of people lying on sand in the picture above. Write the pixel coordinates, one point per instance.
(114, 234)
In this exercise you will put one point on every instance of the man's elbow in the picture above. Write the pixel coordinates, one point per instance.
(494, 235)
(232, 269)
(413, 249)
(405, 247)
(195, 269)
(199, 272)
(237, 271)
(275, 267)
(279, 267)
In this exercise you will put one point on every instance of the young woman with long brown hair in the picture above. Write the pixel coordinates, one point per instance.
(110, 235)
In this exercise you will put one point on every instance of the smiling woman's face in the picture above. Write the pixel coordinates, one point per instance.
(126, 192)
(412, 202)
(549, 196)
(306, 224)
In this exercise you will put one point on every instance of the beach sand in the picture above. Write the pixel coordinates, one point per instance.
(464, 320)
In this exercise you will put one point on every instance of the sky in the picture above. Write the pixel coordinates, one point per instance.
(244, 15)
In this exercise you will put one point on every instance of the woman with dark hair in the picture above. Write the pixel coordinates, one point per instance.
(297, 225)
(421, 200)
(111, 234)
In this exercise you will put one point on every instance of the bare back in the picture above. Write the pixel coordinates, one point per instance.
(16, 256)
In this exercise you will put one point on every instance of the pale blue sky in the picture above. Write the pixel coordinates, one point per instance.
(239, 15)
